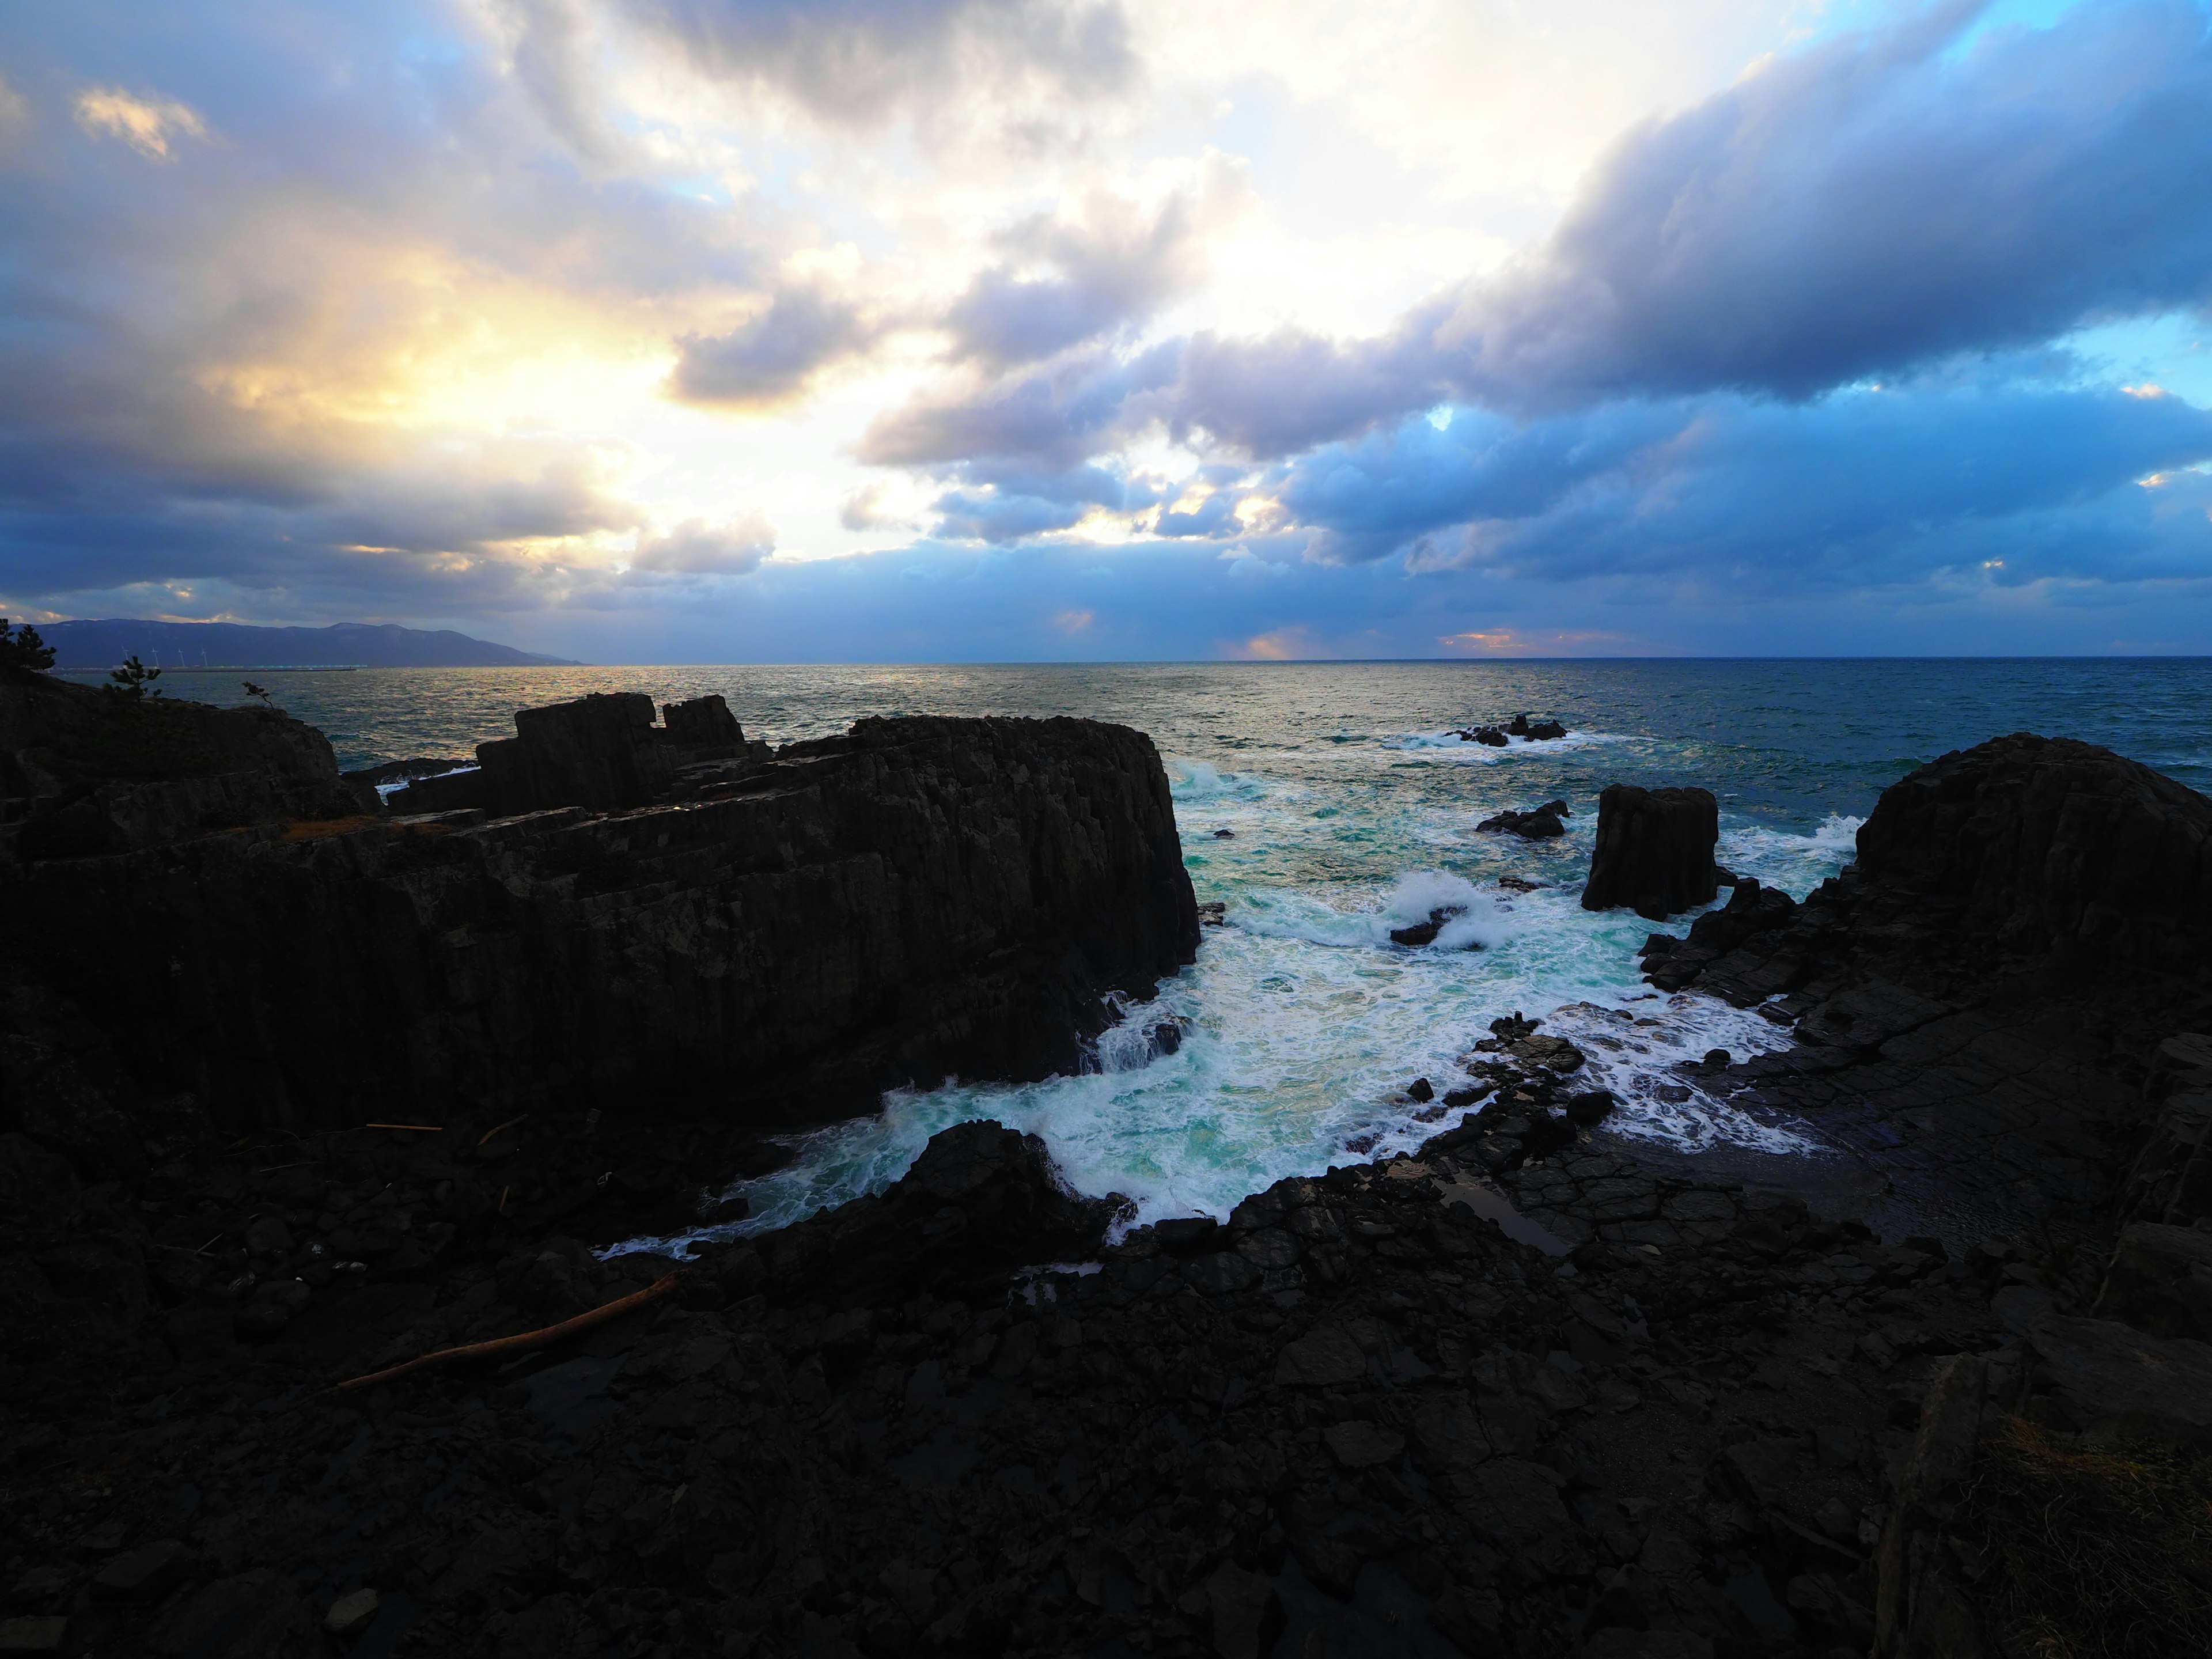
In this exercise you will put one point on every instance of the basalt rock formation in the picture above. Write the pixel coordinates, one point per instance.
(602, 751)
(87, 771)
(1535, 1392)
(780, 942)
(1654, 852)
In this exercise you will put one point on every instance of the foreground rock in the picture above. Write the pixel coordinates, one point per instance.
(1654, 852)
(781, 942)
(1358, 1417)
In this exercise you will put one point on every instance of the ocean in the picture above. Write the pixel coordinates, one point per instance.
(1350, 808)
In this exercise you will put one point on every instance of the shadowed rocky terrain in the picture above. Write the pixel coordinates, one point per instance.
(1538, 1391)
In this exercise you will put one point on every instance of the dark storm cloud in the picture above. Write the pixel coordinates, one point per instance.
(771, 358)
(1859, 489)
(860, 62)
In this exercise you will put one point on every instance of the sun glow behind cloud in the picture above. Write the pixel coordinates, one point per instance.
(563, 308)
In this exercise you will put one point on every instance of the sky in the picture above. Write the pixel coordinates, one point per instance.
(703, 330)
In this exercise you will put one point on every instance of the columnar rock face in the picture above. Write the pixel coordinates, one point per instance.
(87, 771)
(602, 751)
(917, 898)
(2046, 844)
(1654, 851)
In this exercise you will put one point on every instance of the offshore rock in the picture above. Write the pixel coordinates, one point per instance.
(918, 897)
(1654, 852)
(1537, 823)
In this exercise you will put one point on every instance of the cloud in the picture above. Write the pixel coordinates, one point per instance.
(775, 355)
(146, 124)
(698, 548)
(860, 62)
(1858, 490)
(1873, 202)
(1072, 276)
(15, 115)
(1058, 415)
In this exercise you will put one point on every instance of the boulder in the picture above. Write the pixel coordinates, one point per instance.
(2161, 1281)
(980, 1198)
(1417, 934)
(1537, 823)
(1654, 852)
(2103, 1376)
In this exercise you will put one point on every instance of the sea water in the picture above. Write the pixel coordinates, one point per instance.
(1350, 807)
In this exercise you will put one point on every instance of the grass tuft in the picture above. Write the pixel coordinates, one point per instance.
(2091, 1551)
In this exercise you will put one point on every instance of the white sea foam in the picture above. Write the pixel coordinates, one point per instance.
(1199, 783)
(1634, 1051)
(1795, 863)
(1302, 1023)
(1481, 920)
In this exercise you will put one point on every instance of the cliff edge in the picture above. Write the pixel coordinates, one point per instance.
(776, 945)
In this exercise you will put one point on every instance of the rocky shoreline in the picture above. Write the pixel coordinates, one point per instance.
(1535, 1391)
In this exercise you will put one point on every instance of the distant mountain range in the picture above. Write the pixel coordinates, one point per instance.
(234, 645)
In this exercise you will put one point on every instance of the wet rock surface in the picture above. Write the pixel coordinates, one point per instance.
(1536, 824)
(918, 897)
(1654, 852)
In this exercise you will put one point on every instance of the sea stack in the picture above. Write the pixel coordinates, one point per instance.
(1654, 851)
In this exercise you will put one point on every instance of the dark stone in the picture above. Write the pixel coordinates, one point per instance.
(1544, 730)
(2161, 1281)
(87, 772)
(1421, 934)
(145, 1574)
(1420, 1089)
(915, 898)
(1654, 852)
(256, 1615)
(1537, 823)
(2054, 845)
(981, 1197)
(1181, 1235)
(1590, 1108)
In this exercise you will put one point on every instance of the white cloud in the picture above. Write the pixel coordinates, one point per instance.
(146, 124)
(698, 548)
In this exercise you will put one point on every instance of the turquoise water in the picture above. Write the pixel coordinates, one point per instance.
(1352, 810)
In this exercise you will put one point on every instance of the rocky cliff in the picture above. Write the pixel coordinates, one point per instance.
(1659, 1412)
(86, 770)
(917, 898)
